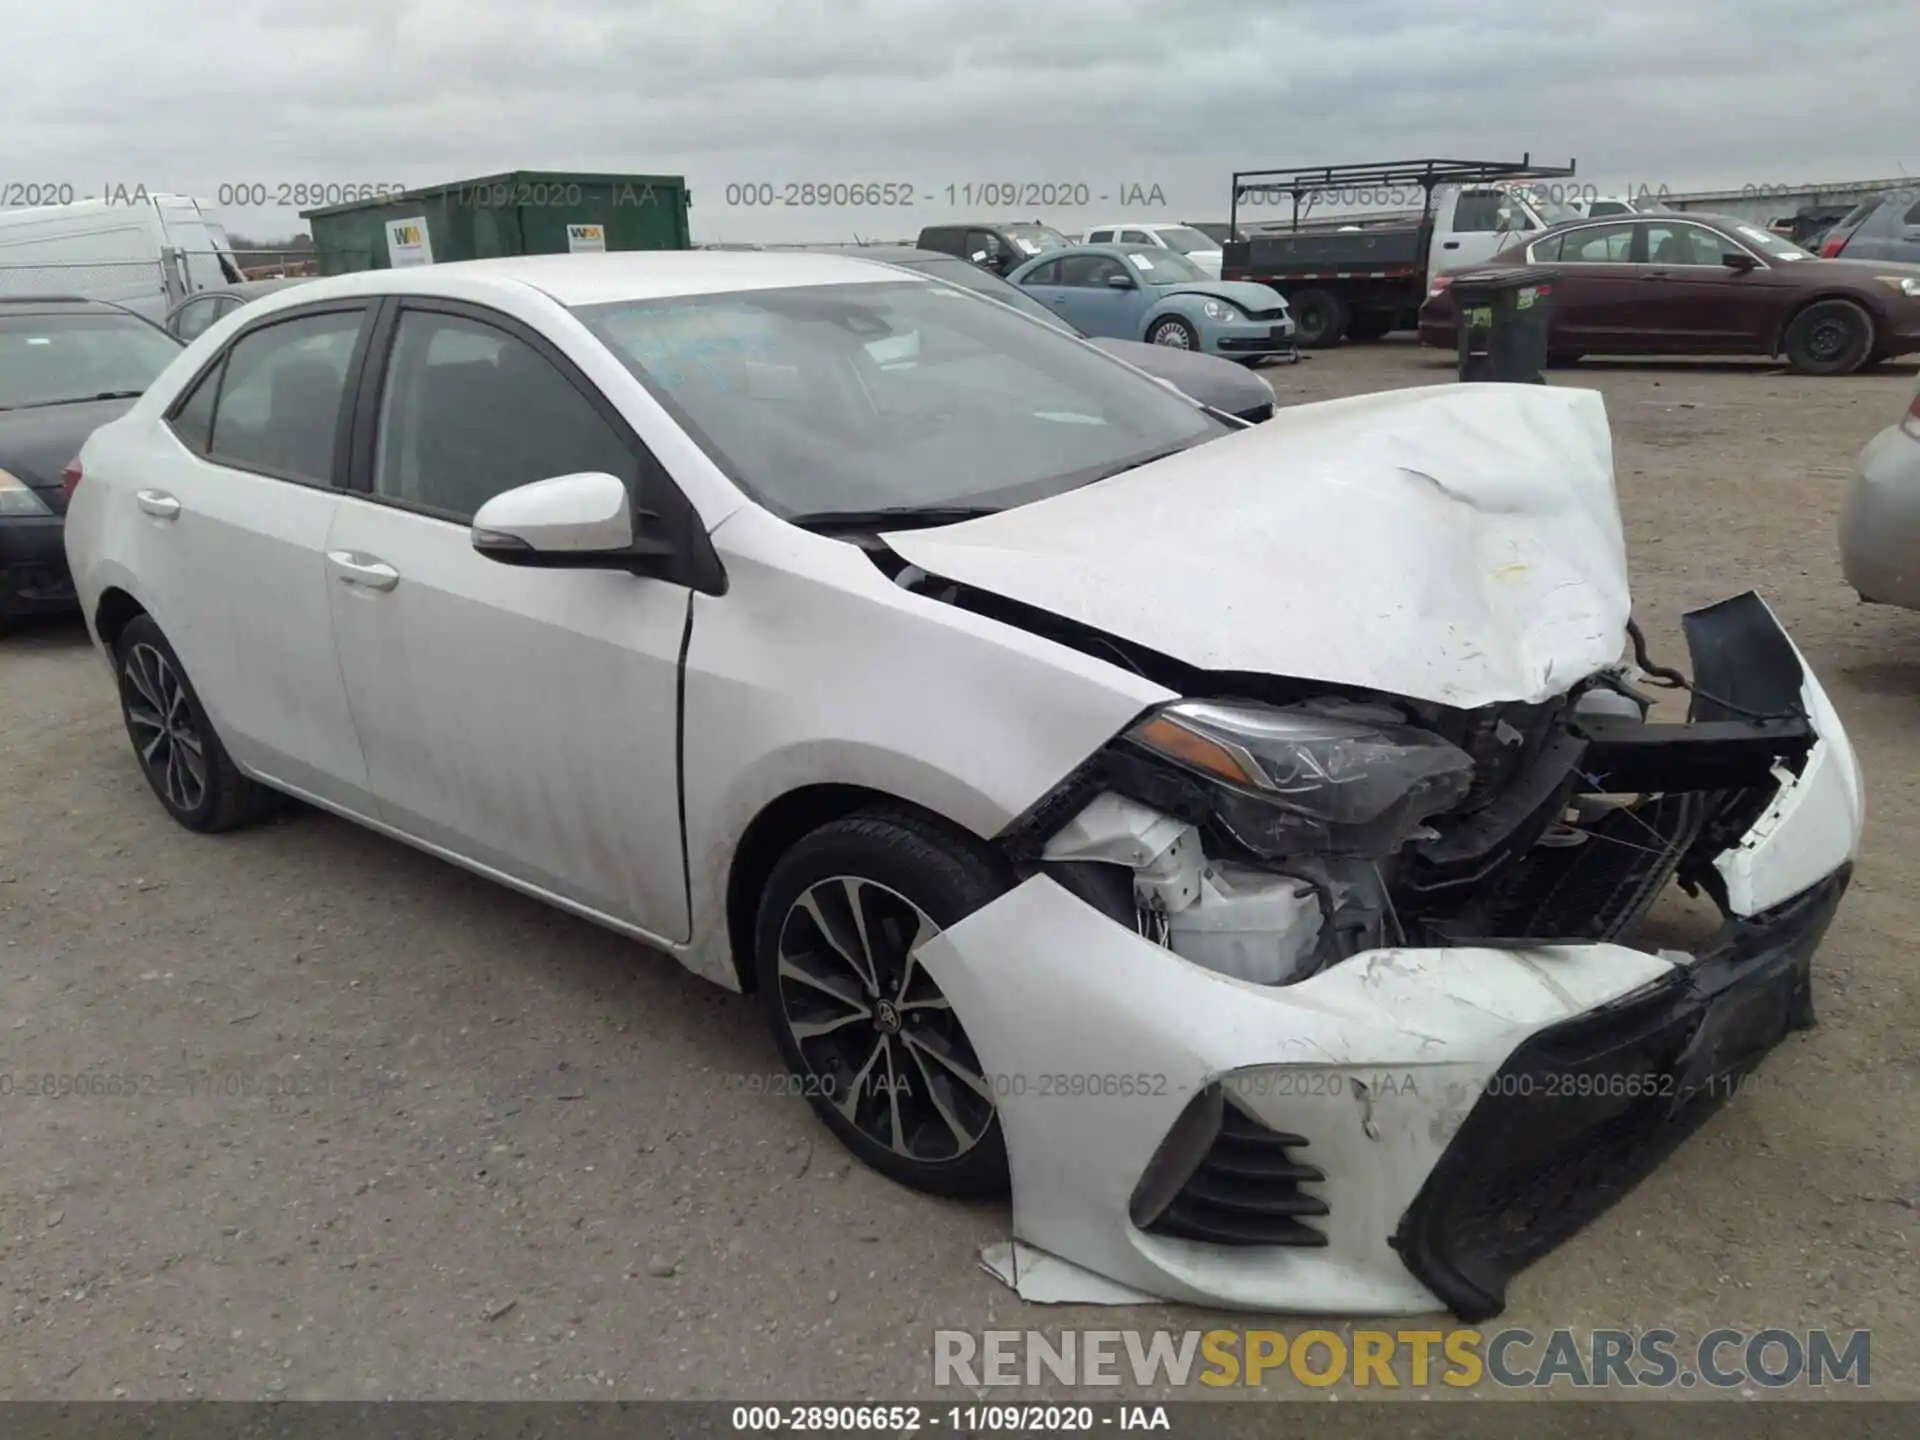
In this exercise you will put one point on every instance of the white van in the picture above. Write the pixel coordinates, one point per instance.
(144, 251)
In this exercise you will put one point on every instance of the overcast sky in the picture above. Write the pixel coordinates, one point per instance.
(927, 94)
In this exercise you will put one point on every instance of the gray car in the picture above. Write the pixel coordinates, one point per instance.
(1219, 384)
(1881, 227)
(198, 312)
(1880, 525)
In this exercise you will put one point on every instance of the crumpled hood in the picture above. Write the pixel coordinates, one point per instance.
(1458, 543)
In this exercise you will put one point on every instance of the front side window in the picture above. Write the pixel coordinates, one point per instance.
(1671, 244)
(1478, 211)
(1088, 272)
(470, 411)
(280, 396)
(61, 358)
(891, 395)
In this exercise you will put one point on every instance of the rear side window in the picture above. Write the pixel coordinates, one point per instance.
(193, 421)
(1912, 216)
(280, 397)
(1545, 252)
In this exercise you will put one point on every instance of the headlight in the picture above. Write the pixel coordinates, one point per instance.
(1299, 781)
(17, 497)
(1905, 284)
(1219, 310)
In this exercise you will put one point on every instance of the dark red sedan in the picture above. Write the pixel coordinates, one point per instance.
(1692, 284)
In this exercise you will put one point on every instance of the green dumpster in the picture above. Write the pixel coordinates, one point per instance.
(525, 212)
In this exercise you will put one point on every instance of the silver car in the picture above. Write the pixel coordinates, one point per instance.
(1880, 526)
(198, 312)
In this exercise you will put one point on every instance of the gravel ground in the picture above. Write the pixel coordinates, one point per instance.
(401, 1132)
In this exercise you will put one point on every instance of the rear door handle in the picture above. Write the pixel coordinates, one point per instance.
(363, 570)
(158, 504)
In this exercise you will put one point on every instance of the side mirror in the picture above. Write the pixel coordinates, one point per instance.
(1739, 260)
(583, 521)
(1120, 282)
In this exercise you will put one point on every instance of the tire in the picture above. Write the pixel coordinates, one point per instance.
(1829, 337)
(1319, 318)
(202, 789)
(1368, 325)
(907, 872)
(1563, 359)
(1174, 333)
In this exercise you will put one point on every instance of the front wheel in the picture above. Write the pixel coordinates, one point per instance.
(878, 1050)
(1829, 337)
(1172, 331)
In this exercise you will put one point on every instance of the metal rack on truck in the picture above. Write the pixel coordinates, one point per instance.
(1359, 276)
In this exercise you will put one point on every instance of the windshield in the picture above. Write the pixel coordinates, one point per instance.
(55, 359)
(1167, 267)
(1186, 240)
(891, 395)
(984, 282)
(1035, 238)
(1553, 212)
(1774, 247)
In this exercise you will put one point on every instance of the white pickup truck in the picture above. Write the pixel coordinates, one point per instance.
(1360, 274)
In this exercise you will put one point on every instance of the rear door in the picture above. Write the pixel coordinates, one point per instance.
(229, 539)
(523, 719)
(1596, 289)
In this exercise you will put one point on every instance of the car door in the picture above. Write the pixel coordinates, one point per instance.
(522, 719)
(232, 544)
(1473, 228)
(1090, 303)
(1596, 289)
(1698, 303)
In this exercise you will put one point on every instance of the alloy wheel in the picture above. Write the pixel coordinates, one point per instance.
(874, 1030)
(164, 733)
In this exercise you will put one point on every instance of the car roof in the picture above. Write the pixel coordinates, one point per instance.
(888, 254)
(63, 305)
(615, 276)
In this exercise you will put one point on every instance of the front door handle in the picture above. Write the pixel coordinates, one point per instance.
(158, 504)
(1449, 244)
(1656, 275)
(351, 568)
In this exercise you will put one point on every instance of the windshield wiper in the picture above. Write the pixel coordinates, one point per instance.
(892, 517)
(79, 399)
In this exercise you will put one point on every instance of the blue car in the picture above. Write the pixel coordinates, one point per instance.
(1160, 296)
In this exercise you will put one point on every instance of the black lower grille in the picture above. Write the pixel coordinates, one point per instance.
(1246, 1191)
(1258, 413)
(1586, 1109)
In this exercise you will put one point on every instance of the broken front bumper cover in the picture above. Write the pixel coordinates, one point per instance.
(1403, 1131)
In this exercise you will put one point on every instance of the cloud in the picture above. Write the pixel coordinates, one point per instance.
(1096, 93)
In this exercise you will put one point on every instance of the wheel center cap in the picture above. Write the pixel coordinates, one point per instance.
(886, 1018)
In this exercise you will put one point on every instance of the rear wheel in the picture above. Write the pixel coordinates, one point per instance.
(879, 1050)
(1829, 337)
(1561, 359)
(179, 753)
(1319, 318)
(1172, 331)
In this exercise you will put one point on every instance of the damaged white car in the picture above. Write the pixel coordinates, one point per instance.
(1231, 840)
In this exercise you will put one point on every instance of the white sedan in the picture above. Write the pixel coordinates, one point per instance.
(1230, 839)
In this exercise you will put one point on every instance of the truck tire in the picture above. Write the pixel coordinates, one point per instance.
(1365, 325)
(1319, 319)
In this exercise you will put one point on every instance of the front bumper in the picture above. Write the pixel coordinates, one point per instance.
(1242, 341)
(1386, 1116)
(33, 566)
(1880, 525)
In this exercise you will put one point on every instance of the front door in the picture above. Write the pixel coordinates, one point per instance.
(1696, 303)
(523, 719)
(1086, 296)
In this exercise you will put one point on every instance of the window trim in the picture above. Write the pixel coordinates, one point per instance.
(653, 491)
(349, 388)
